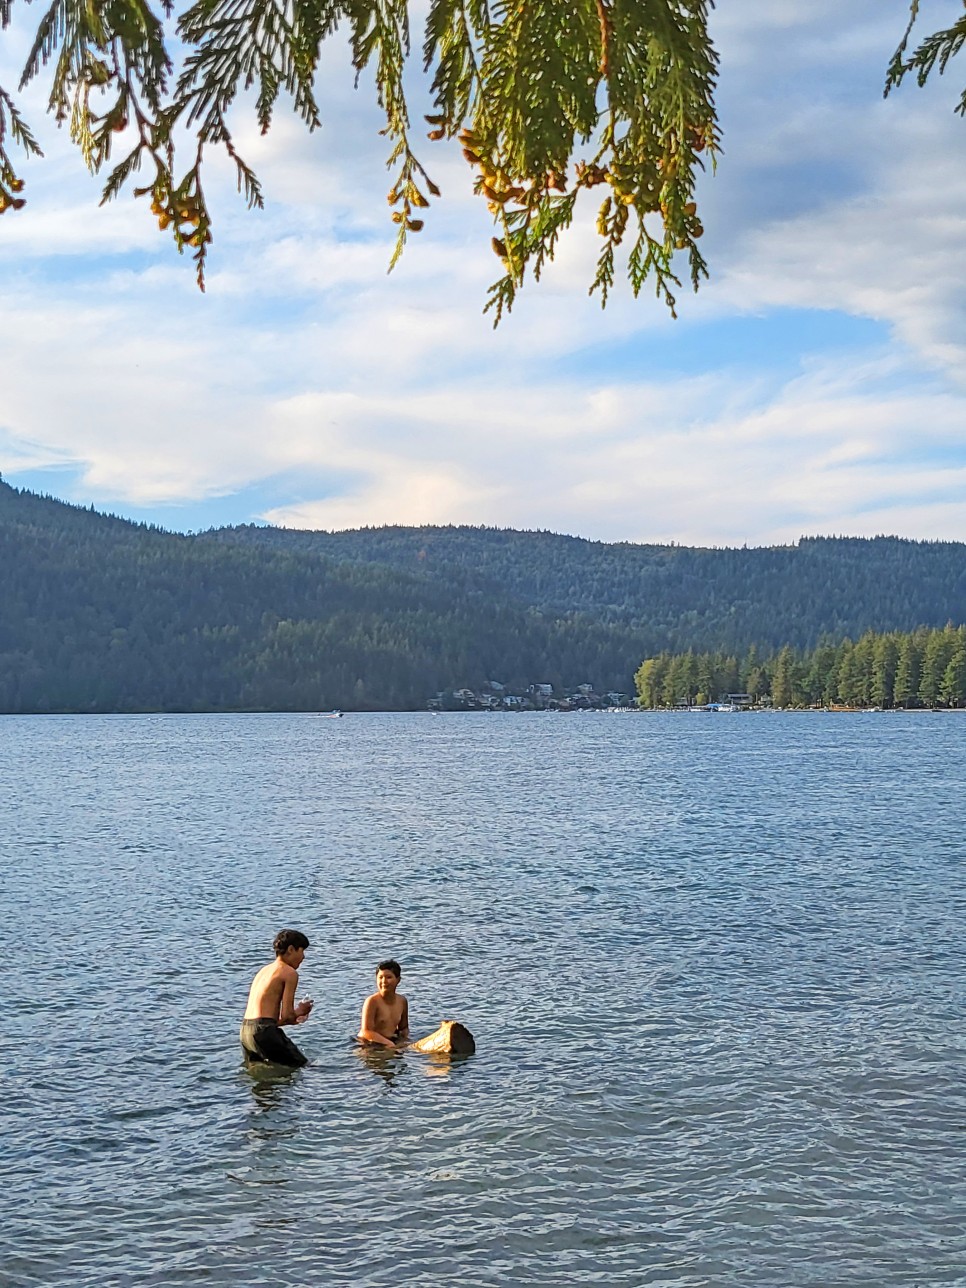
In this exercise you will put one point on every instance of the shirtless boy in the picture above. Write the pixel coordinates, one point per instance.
(271, 1003)
(385, 1015)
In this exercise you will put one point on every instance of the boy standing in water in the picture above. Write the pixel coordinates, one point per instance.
(385, 1015)
(271, 1003)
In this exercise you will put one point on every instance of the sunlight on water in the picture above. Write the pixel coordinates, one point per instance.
(714, 968)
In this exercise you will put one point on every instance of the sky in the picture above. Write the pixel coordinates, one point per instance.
(816, 385)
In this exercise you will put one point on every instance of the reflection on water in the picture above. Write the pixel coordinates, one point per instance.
(270, 1084)
(391, 1065)
(385, 1063)
(714, 968)
(439, 1064)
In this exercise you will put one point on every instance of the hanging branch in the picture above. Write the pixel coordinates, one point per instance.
(546, 101)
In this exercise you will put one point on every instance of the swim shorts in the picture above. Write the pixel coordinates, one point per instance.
(264, 1043)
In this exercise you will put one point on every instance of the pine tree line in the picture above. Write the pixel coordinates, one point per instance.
(921, 668)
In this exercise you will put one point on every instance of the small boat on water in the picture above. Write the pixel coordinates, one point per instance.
(331, 715)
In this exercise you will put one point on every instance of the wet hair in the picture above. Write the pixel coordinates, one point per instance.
(286, 939)
(461, 1040)
(390, 964)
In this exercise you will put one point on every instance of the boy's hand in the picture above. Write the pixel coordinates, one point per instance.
(303, 1009)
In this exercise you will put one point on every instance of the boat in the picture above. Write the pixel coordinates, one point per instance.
(331, 715)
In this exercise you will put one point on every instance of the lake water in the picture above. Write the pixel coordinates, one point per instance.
(714, 965)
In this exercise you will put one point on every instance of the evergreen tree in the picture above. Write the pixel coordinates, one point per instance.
(844, 672)
(953, 688)
(935, 658)
(907, 672)
(757, 683)
(820, 678)
(684, 680)
(547, 100)
(884, 662)
(705, 678)
(863, 665)
(728, 676)
(785, 682)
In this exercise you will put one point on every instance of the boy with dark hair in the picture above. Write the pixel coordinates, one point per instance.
(271, 1003)
(385, 1014)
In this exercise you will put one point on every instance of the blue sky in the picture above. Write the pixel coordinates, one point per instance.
(815, 384)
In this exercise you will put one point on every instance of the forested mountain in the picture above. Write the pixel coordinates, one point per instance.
(100, 614)
(680, 597)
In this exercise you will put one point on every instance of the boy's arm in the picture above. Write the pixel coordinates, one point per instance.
(286, 1009)
(402, 1032)
(367, 1025)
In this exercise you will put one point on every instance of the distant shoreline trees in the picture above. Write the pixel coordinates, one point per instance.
(921, 668)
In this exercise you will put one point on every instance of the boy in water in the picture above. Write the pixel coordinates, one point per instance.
(271, 1003)
(385, 1015)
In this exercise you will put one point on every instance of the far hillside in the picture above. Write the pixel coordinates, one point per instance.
(678, 597)
(99, 614)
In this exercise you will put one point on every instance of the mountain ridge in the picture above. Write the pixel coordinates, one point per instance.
(100, 613)
(680, 596)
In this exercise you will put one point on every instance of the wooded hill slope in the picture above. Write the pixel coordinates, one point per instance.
(100, 614)
(678, 596)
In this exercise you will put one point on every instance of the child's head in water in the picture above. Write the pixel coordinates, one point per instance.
(388, 975)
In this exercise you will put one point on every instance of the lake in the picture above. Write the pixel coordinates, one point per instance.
(714, 965)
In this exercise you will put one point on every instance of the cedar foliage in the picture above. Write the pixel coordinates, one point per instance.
(546, 101)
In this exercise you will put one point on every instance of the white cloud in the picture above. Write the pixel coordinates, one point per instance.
(637, 461)
(896, 253)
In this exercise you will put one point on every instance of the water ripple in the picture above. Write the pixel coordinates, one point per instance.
(714, 969)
